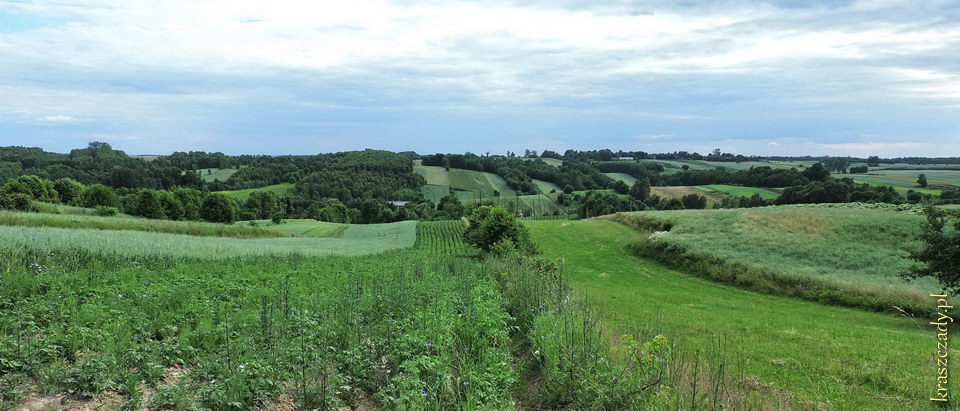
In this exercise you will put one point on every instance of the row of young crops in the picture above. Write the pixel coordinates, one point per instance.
(400, 330)
(442, 238)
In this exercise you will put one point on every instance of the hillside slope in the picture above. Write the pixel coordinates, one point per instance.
(790, 351)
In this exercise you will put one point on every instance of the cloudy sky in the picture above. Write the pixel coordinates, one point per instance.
(273, 77)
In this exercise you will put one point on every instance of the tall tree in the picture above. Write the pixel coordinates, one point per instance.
(940, 253)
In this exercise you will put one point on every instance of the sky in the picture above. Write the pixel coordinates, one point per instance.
(793, 77)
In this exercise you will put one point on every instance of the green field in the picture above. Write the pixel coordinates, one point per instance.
(807, 247)
(713, 197)
(468, 185)
(546, 187)
(382, 237)
(279, 189)
(435, 192)
(433, 174)
(792, 353)
(739, 191)
(904, 180)
(305, 227)
(13, 218)
(626, 178)
(102, 319)
(210, 175)
(478, 184)
(532, 205)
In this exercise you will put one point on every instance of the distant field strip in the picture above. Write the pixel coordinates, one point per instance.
(546, 187)
(279, 189)
(433, 174)
(680, 191)
(356, 240)
(442, 238)
(739, 191)
(435, 192)
(11, 218)
(306, 227)
(210, 175)
(626, 178)
(479, 182)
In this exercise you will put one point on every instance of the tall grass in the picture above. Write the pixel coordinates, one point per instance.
(135, 245)
(841, 256)
(22, 219)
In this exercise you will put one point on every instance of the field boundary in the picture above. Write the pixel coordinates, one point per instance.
(824, 291)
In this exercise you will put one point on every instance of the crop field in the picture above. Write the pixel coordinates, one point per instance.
(442, 238)
(844, 255)
(306, 227)
(739, 191)
(353, 241)
(279, 189)
(793, 353)
(210, 175)
(14, 218)
(135, 320)
(626, 178)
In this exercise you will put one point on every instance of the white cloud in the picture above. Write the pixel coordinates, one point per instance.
(59, 118)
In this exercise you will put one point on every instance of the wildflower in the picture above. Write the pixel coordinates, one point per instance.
(540, 306)
(428, 344)
(466, 383)
(423, 394)
(533, 309)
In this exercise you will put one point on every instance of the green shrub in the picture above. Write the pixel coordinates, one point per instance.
(105, 211)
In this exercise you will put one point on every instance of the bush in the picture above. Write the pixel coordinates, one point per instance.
(494, 229)
(15, 201)
(105, 211)
(99, 195)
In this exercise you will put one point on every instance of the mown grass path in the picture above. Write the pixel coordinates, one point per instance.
(820, 356)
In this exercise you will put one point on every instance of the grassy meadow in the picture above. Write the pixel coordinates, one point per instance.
(844, 255)
(792, 354)
(210, 175)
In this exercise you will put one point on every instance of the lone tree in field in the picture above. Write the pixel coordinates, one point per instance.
(940, 254)
(495, 230)
(922, 180)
